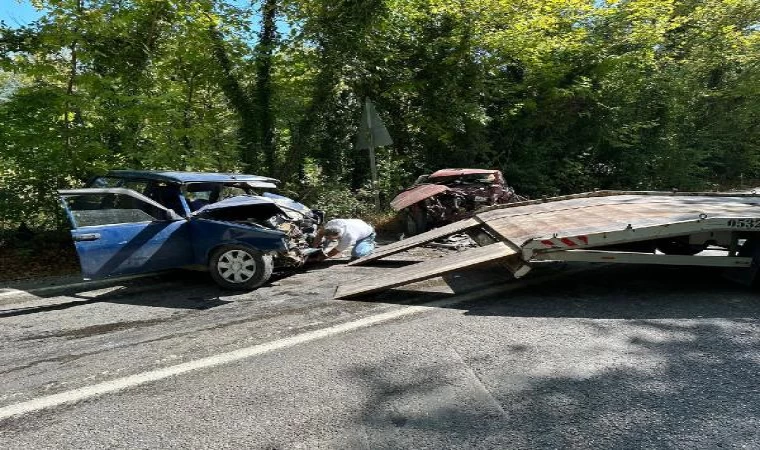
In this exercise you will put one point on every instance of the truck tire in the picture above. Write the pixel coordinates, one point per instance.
(677, 247)
(749, 276)
(238, 267)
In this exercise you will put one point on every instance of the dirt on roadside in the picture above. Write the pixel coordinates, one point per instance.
(37, 257)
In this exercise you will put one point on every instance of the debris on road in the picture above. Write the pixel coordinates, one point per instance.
(453, 242)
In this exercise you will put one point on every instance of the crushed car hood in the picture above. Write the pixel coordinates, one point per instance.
(287, 206)
(416, 194)
(234, 202)
(288, 203)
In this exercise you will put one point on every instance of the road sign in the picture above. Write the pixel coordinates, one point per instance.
(372, 133)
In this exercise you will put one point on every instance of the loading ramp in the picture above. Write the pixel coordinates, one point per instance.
(598, 226)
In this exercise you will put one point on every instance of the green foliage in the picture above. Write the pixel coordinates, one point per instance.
(336, 199)
(102, 84)
(562, 95)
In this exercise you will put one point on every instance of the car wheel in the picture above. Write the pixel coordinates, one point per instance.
(240, 267)
(414, 221)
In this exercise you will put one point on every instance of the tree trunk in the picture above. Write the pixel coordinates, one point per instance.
(265, 49)
(301, 144)
(187, 117)
(70, 86)
(239, 101)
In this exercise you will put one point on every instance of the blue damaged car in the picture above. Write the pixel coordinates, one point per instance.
(130, 222)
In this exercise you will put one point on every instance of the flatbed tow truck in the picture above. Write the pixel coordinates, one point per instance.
(633, 227)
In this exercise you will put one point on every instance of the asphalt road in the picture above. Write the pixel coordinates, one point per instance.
(602, 357)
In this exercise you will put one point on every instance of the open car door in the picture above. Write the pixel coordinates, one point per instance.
(118, 231)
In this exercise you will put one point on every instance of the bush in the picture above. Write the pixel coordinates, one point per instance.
(337, 200)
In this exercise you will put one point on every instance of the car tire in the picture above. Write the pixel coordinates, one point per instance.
(238, 267)
(414, 221)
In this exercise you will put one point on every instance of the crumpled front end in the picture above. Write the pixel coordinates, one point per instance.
(450, 195)
(298, 230)
(416, 194)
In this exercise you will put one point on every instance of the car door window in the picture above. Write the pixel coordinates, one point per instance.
(95, 209)
(168, 195)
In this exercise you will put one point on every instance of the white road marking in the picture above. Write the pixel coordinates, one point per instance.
(5, 292)
(120, 384)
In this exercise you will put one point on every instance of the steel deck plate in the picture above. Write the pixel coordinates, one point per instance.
(613, 213)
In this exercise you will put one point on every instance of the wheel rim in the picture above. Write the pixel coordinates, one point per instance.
(236, 266)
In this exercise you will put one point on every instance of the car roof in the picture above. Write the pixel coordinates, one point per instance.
(187, 177)
(460, 172)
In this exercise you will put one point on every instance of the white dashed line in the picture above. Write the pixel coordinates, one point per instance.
(5, 292)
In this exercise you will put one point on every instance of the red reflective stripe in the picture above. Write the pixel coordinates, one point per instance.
(583, 239)
(569, 242)
(548, 243)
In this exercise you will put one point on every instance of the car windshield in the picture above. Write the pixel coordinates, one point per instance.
(199, 195)
(214, 192)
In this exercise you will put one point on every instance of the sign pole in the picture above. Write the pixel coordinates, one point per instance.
(372, 133)
(372, 162)
(374, 177)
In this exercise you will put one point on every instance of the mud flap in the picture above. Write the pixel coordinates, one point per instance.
(498, 252)
(416, 241)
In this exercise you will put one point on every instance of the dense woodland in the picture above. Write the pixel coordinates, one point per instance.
(562, 95)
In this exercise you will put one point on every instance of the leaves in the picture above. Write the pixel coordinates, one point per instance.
(562, 95)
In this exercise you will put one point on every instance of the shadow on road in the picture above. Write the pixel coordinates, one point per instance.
(603, 292)
(698, 390)
(179, 289)
(647, 357)
(628, 292)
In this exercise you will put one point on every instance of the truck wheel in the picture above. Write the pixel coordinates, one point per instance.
(240, 267)
(671, 247)
(749, 275)
(414, 221)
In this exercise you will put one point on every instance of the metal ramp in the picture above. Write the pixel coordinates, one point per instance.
(552, 229)
(428, 269)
